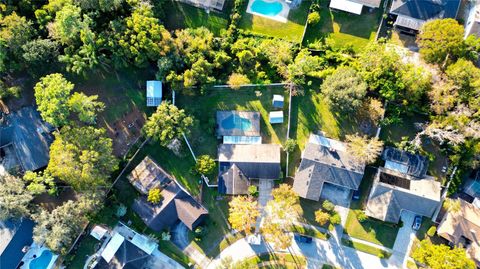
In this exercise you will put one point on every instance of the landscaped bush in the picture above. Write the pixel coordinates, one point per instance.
(290, 145)
(361, 216)
(253, 190)
(335, 219)
(314, 18)
(328, 206)
(431, 231)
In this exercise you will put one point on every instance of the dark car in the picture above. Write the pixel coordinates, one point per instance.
(303, 239)
(356, 195)
(417, 222)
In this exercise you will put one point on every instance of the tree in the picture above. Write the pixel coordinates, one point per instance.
(39, 182)
(466, 76)
(335, 218)
(87, 107)
(252, 190)
(39, 54)
(14, 199)
(276, 234)
(167, 123)
(290, 145)
(82, 157)
(205, 165)
(328, 206)
(236, 80)
(441, 256)
(322, 217)
(243, 213)
(314, 17)
(154, 195)
(52, 93)
(364, 149)
(344, 90)
(15, 31)
(58, 229)
(439, 39)
(67, 24)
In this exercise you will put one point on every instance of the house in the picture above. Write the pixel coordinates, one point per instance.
(403, 185)
(25, 140)
(176, 203)
(147, 175)
(278, 101)
(206, 4)
(410, 15)
(276, 117)
(239, 164)
(15, 238)
(325, 164)
(238, 123)
(472, 186)
(462, 228)
(154, 93)
(354, 6)
(472, 18)
(127, 249)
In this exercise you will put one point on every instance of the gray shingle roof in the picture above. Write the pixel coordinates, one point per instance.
(413, 13)
(128, 256)
(386, 201)
(322, 164)
(14, 236)
(368, 3)
(235, 182)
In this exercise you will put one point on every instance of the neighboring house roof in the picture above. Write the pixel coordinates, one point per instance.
(260, 161)
(154, 93)
(455, 226)
(147, 175)
(405, 162)
(238, 123)
(472, 185)
(233, 181)
(176, 204)
(413, 13)
(14, 236)
(209, 4)
(326, 160)
(393, 192)
(123, 254)
(368, 3)
(30, 137)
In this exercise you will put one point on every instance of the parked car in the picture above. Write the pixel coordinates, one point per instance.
(356, 195)
(303, 239)
(417, 222)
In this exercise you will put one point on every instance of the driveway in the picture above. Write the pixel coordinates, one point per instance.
(180, 239)
(403, 242)
(265, 187)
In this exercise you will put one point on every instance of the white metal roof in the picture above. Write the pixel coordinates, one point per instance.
(276, 117)
(154, 92)
(98, 232)
(112, 247)
(327, 142)
(242, 139)
(347, 6)
(144, 243)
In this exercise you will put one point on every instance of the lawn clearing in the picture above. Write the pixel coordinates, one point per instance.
(343, 28)
(312, 232)
(366, 248)
(292, 30)
(180, 16)
(274, 260)
(371, 230)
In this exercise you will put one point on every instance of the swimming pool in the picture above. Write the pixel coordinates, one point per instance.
(266, 8)
(236, 122)
(42, 261)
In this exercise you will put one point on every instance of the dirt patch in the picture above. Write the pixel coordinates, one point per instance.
(50, 202)
(125, 131)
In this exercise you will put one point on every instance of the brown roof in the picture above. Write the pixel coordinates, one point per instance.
(465, 222)
(146, 175)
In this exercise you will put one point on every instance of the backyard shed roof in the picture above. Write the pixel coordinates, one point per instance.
(278, 101)
(98, 232)
(390, 195)
(238, 123)
(30, 137)
(276, 117)
(348, 6)
(326, 160)
(154, 92)
(14, 236)
(176, 204)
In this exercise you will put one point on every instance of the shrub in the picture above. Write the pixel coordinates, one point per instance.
(154, 196)
(314, 17)
(335, 219)
(431, 231)
(322, 217)
(328, 206)
(252, 190)
(205, 165)
(290, 145)
(361, 216)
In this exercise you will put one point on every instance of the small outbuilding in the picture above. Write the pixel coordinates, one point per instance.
(154, 93)
(276, 117)
(278, 101)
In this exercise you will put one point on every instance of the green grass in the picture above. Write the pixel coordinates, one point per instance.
(312, 232)
(292, 30)
(273, 260)
(366, 248)
(344, 28)
(393, 133)
(172, 251)
(375, 231)
(180, 16)
(85, 248)
(328, 266)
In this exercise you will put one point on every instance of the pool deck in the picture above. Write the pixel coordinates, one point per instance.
(34, 252)
(281, 17)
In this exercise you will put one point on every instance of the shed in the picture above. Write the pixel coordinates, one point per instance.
(347, 6)
(276, 117)
(154, 93)
(98, 232)
(278, 101)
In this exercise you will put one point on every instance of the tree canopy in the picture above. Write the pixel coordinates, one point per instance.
(344, 90)
(14, 198)
(52, 93)
(441, 256)
(243, 213)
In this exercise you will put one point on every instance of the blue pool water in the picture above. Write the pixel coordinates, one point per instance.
(232, 122)
(266, 8)
(42, 261)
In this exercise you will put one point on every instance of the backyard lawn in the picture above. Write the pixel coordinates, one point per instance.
(179, 16)
(344, 28)
(292, 30)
